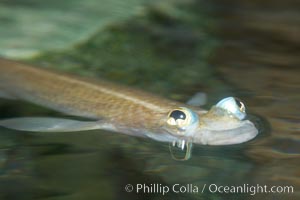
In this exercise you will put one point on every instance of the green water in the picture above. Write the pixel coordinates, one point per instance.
(171, 48)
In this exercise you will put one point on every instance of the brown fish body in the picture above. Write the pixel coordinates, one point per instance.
(120, 105)
(120, 109)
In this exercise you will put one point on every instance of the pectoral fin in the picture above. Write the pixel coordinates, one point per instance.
(199, 99)
(49, 124)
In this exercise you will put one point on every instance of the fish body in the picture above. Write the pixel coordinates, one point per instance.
(119, 108)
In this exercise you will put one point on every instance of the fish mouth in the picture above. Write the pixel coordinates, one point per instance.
(242, 132)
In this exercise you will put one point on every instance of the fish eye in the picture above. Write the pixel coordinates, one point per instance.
(240, 104)
(182, 118)
(234, 106)
(177, 114)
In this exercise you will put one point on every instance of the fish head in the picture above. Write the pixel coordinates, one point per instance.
(224, 124)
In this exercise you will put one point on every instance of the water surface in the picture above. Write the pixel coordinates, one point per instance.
(249, 50)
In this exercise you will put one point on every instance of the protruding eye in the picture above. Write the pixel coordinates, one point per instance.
(182, 118)
(177, 114)
(240, 104)
(234, 106)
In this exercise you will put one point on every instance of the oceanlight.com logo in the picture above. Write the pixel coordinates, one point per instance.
(157, 188)
(249, 189)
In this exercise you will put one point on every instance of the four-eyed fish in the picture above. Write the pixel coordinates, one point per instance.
(120, 109)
